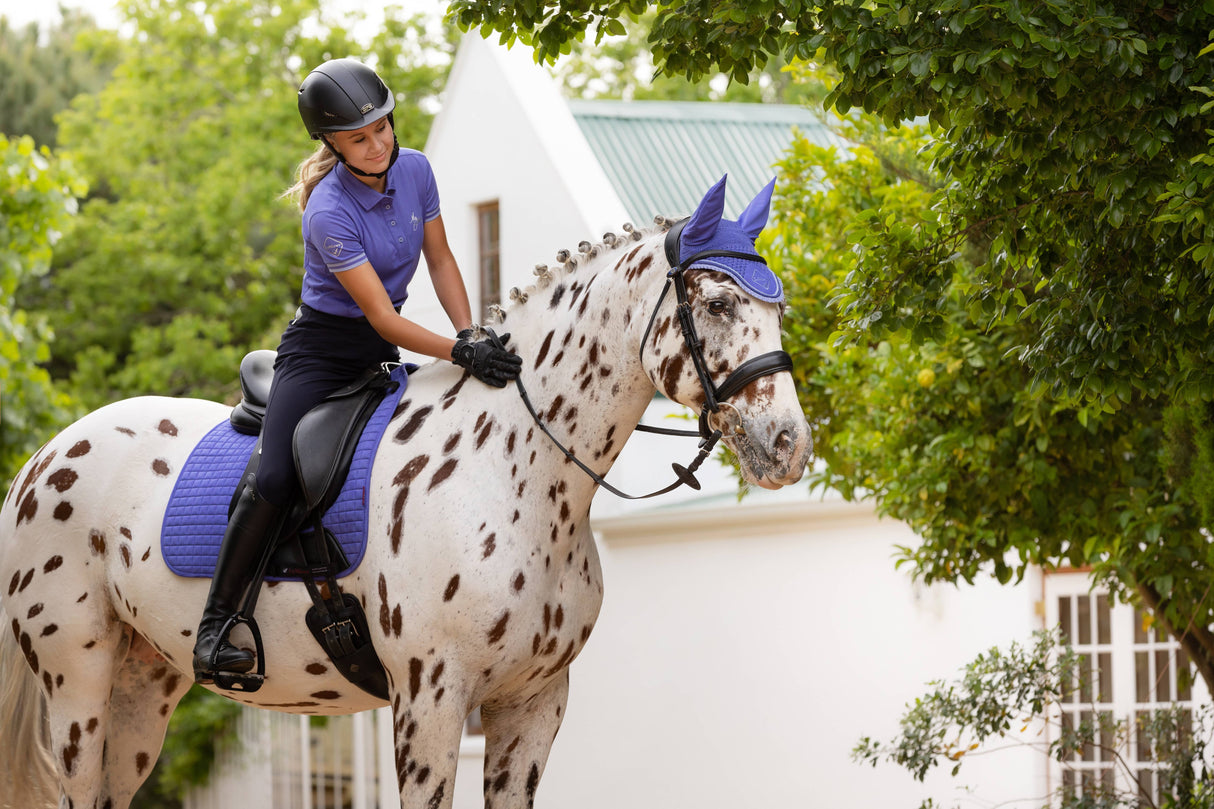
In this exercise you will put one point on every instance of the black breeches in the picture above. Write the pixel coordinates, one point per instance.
(318, 355)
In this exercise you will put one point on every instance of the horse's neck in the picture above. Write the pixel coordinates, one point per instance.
(578, 337)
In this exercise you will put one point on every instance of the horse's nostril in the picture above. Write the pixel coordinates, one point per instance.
(784, 443)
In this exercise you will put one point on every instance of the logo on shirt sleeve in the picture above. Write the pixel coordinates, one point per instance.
(333, 247)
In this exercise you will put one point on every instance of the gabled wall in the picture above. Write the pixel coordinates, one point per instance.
(505, 134)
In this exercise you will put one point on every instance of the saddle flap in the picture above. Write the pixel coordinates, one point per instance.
(327, 435)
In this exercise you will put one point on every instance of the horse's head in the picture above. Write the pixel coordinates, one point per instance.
(714, 345)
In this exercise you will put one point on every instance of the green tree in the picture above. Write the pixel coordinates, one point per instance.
(1019, 365)
(620, 66)
(38, 198)
(44, 68)
(186, 255)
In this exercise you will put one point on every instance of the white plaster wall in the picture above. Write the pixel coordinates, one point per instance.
(504, 133)
(739, 667)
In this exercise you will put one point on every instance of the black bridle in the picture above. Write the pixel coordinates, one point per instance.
(714, 397)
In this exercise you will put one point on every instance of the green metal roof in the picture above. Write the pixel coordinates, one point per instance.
(661, 156)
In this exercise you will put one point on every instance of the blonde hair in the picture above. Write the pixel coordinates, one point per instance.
(311, 171)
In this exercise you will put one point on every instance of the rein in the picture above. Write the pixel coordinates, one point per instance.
(714, 397)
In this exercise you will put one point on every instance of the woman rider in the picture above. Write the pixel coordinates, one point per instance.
(370, 210)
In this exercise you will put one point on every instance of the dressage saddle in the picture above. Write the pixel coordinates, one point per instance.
(324, 445)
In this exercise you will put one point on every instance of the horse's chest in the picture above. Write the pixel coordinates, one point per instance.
(528, 615)
(536, 638)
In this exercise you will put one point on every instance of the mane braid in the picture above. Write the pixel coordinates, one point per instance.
(567, 263)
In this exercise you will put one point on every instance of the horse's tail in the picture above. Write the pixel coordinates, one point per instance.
(27, 771)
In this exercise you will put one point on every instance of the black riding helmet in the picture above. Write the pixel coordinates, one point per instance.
(343, 95)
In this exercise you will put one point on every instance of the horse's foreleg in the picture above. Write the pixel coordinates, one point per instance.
(518, 737)
(427, 730)
(145, 692)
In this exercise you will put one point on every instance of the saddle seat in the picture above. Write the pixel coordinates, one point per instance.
(326, 436)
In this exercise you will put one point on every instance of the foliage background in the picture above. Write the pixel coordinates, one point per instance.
(1003, 291)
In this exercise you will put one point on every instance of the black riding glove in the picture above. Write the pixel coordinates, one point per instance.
(488, 363)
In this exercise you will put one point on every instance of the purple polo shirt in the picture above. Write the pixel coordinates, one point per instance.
(347, 223)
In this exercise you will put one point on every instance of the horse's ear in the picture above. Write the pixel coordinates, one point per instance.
(703, 223)
(754, 218)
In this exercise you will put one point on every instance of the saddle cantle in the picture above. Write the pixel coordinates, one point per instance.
(256, 376)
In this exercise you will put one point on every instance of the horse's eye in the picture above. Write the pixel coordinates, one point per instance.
(717, 307)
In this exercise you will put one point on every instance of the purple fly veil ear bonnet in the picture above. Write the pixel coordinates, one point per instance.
(707, 231)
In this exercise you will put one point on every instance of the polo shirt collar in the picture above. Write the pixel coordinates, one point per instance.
(363, 194)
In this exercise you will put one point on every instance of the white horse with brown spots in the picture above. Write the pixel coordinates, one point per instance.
(481, 580)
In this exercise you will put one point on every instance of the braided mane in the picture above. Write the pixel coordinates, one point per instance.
(568, 263)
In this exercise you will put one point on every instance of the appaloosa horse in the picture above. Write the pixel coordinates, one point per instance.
(481, 580)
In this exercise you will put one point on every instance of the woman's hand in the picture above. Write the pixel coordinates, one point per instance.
(488, 363)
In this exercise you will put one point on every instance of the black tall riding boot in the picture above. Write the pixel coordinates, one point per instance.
(252, 527)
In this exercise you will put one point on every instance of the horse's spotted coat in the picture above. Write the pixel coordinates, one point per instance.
(481, 583)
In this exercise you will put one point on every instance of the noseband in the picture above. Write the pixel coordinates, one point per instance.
(714, 397)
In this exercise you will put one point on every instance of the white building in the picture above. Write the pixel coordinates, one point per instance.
(743, 648)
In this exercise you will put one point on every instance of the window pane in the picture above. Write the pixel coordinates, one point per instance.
(1108, 740)
(488, 244)
(1064, 618)
(1084, 619)
(1106, 677)
(1144, 741)
(1184, 676)
(1142, 677)
(1068, 725)
(1085, 680)
(1146, 788)
(1103, 634)
(1163, 676)
(1140, 634)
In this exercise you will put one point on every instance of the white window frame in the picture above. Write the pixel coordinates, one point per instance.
(1120, 651)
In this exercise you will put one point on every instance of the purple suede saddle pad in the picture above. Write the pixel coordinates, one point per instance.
(198, 508)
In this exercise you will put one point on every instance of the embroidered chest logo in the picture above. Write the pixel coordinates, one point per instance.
(333, 247)
(414, 220)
